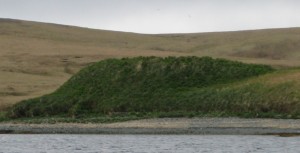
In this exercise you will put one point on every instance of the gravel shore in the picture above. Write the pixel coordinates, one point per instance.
(236, 126)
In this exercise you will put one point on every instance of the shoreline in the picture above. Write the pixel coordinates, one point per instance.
(194, 126)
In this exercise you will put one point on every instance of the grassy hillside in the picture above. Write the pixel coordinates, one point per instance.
(37, 58)
(153, 84)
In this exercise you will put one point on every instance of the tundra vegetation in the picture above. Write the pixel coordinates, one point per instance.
(170, 87)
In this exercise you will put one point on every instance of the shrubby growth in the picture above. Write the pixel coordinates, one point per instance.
(150, 84)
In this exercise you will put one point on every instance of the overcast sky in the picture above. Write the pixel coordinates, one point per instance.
(158, 16)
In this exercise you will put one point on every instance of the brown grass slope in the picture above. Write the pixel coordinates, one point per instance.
(36, 58)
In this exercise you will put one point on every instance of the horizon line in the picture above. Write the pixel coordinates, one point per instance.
(175, 33)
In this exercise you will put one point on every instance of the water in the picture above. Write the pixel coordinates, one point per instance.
(147, 144)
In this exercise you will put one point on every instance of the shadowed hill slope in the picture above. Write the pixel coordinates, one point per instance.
(143, 84)
(36, 58)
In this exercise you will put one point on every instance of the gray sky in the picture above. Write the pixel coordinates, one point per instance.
(158, 16)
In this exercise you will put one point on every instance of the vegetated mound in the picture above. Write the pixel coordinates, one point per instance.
(142, 84)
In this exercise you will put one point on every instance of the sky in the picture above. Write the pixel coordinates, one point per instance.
(158, 16)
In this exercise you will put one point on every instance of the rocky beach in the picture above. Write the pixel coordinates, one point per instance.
(202, 126)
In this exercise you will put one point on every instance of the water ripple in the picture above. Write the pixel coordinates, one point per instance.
(147, 144)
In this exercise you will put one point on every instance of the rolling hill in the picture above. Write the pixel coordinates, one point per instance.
(36, 58)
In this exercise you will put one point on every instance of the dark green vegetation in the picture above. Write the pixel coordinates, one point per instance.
(3, 116)
(166, 87)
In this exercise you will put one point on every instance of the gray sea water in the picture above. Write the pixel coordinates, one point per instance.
(147, 144)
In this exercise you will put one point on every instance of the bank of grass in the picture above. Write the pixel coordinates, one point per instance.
(266, 96)
(161, 87)
(98, 118)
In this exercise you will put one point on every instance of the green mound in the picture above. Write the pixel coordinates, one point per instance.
(146, 84)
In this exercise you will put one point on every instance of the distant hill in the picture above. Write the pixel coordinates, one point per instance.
(36, 58)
